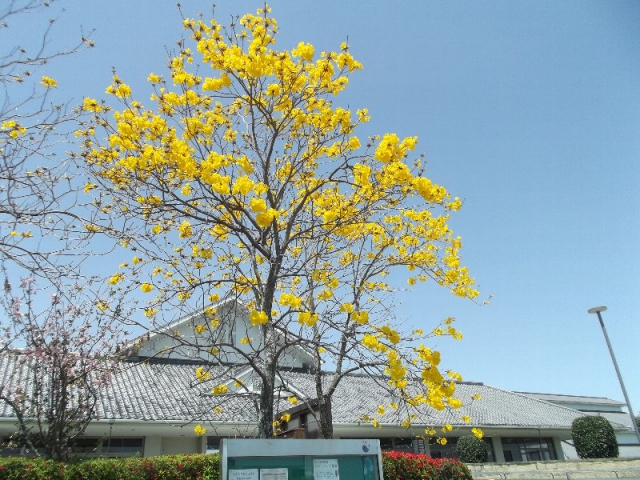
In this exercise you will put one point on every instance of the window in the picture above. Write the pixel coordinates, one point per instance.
(302, 421)
(411, 445)
(123, 446)
(213, 444)
(86, 445)
(443, 451)
(528, 449)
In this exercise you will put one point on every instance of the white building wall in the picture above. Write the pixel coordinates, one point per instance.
(181, 445)
(152, 446)
(181, 341)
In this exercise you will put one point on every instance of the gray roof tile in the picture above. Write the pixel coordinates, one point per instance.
(170, 392)
(358, 395)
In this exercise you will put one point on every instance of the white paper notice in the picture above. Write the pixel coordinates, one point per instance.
(325, 469)
(246, 474)
(274, 474)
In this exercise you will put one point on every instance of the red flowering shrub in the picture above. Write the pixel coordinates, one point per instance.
(410, 466)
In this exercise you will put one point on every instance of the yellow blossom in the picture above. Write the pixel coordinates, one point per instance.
(361, 317)
(185, 229)
(91, 105)
(264, 219)
(202, 374)
(220, 389)
(199, 430)
(146, 287)
(307, 318)
(258, 318)
(258, 205)
(48, 82)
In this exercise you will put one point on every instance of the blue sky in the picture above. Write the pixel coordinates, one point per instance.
(529, 111)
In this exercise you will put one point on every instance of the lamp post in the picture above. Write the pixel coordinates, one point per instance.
(598, 311)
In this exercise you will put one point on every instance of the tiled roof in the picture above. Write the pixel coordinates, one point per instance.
(150, 391)
(620, 418)
(358, 395)
(561, 398)
(159, 391)
(170, 392)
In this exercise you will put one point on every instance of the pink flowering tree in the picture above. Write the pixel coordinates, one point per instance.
(40, 221)
(59, 356)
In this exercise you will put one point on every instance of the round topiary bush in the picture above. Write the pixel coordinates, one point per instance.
(593, 437)
(471, 449)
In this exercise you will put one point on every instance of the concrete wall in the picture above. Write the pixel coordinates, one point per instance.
(152, 446)
(181, 445)
(156, 446)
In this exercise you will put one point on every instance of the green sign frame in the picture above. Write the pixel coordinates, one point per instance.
(298, 459)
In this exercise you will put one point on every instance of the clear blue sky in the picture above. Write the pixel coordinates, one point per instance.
(528, 110)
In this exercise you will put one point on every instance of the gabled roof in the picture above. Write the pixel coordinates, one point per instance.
(186, 318)
(169, 392)
(192, 317)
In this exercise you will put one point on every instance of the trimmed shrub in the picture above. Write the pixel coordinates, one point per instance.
(471, 449)
(396, 466)
(593, 437)
(178, 467)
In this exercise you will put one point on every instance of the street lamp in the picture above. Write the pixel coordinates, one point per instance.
(598, 311)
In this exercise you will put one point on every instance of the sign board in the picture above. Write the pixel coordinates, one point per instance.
(298, 459)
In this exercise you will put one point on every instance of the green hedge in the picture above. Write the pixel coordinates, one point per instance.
(396, 466)
(178, 467)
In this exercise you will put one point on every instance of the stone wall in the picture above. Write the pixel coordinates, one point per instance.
(568, 470)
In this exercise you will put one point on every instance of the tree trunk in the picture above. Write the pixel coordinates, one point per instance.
(325, 422)
(265, 414)
(268, 379)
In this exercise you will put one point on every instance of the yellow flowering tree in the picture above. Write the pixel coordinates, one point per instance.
(246, 178)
